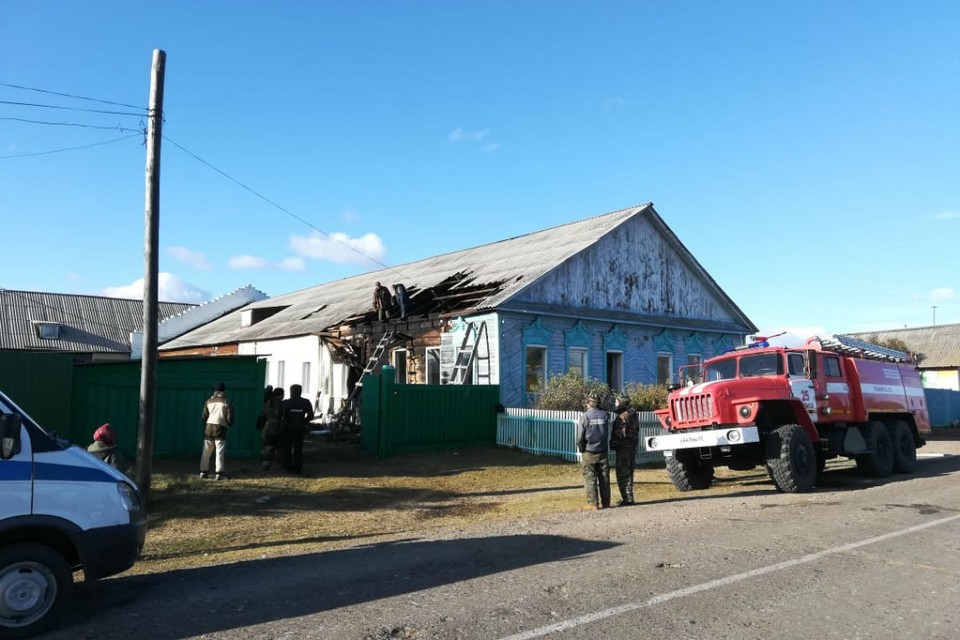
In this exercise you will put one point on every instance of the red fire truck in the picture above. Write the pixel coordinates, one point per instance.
(791, 409)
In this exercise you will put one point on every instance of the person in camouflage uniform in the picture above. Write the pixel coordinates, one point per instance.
(592, 437)
(624, 440)
(269, 425)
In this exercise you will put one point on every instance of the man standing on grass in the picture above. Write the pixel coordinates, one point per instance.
(624, 441)
(593, 434)
(295, 416)
(217, 418)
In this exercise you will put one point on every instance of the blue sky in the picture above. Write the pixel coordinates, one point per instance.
(805, 152)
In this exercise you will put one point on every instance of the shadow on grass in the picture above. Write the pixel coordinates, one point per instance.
(190, 603)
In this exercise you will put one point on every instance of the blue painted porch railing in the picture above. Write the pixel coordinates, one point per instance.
(552, 433)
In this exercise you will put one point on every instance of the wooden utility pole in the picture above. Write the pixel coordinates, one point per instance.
(148, 369)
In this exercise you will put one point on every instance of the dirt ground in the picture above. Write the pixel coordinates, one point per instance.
(347, 498)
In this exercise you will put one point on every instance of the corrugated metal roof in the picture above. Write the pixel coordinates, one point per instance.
(939, 345)
(84, 324)
(478, 278)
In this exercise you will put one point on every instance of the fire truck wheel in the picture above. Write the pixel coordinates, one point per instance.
(878, 463)
(688, 471)
(791, 459)
(904, 448)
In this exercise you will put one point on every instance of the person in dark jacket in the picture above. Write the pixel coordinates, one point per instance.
(593, 434)
(382, 302)
(295, 416)
(217, 418)
(624, 440)
(269, 425)
(104, 446)
(403, 299)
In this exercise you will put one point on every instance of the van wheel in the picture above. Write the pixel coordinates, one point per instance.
(35, 588)
(904, 448)
(878, 463)
(687, 471)
(791, 459)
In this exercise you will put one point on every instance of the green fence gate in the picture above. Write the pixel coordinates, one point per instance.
(406, 417)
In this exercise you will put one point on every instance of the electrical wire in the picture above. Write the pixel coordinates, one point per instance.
(57, 106)
(73, 124)
(274, 204)
(70, 95)
(85, 146)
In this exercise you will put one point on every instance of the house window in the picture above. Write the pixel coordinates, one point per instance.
(47, 330)
(305, 378)
(433, 365)
(281, 370)
(577, 362)
(664, 368)
(536, 358)
(400, 364)
(615, 370)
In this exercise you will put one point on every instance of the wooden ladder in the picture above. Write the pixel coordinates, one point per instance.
(476, 331)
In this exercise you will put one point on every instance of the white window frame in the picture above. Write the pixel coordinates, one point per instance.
(431, 366)
(406, 365)
(669, 357)
(584, 354)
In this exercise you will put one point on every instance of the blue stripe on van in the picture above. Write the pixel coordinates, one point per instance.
(14, 470)
(60, 472)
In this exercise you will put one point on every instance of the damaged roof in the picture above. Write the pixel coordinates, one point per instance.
(472, 280)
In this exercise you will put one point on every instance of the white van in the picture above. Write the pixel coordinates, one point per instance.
(61, 510)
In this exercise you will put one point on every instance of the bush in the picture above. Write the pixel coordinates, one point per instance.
(569, 392)
(647, 397)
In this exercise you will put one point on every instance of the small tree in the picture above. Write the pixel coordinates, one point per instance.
(569, 392)
(898, 344)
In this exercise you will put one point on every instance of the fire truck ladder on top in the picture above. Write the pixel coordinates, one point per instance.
(372, 363)
(476, 331)
(862, 349)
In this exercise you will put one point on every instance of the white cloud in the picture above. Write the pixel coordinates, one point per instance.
(459, 134)
(293, 264)
(943, 293)
(947, 215)
(170, 288)
(493, 146)
(195, 259)
(340, 248)
(247, 262)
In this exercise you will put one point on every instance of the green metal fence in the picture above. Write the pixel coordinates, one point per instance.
(110, 392)
(40, 384)
(400, 417)
(553, 433)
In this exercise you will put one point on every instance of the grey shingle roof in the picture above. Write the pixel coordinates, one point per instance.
(493, 272)
(939, 345)
(87, 324)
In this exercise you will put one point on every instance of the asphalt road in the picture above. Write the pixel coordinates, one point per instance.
(856, 558)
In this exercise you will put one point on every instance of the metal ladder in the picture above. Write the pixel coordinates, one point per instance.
(372, 363)
(469, 352)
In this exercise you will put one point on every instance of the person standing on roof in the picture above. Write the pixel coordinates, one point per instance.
(403, 299)
(217, 418)
(593, 434)
(382, 302)
(295, 416)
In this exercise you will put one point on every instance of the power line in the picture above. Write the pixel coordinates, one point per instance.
(274, 204)
(86, 146)
(70, 95)
(72, 124)
(57, 106)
